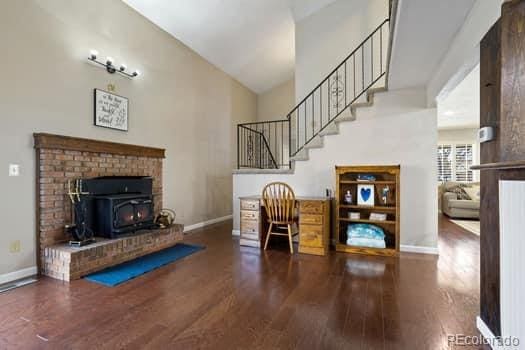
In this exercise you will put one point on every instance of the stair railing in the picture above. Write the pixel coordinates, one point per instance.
(350, 80)
(263, 145)
(273, 144)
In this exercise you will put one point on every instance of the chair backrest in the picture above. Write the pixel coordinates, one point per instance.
(279, 201)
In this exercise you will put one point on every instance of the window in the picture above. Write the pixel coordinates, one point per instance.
(454, 162)
(444, 158)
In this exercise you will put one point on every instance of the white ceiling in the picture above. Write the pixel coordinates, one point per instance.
(424, 32)
(460, 109)
(251, 40)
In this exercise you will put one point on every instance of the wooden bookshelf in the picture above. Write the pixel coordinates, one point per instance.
(365, 221)
(386, 176)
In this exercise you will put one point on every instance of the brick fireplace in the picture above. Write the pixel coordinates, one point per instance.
(63, 158)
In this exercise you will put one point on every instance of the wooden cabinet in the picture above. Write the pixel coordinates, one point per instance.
(250, 223)
(314, 227)
(314, 224)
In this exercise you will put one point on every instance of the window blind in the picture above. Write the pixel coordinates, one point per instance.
(444, 159)
(454, 162)
(463, 163)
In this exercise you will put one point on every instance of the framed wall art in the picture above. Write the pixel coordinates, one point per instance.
(365, 195)
(111, 111)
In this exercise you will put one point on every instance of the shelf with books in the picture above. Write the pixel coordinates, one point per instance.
(366, 207)
(390, 222)
(376, 182)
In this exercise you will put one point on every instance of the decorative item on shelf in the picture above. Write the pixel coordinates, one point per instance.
(365, 177)
(384, 194)
(354, 215)
(348, 197)
(111, 111)
(110, 67)
(81, 233)
(378, 216)
(165, 218)
(365, 195)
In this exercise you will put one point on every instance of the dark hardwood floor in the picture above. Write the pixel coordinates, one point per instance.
(231, 297)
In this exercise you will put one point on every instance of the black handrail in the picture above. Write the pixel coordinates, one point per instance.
(339, 66)
(308, 118)
(277, 152)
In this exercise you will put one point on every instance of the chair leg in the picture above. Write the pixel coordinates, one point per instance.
(290, 238)
(268, 236)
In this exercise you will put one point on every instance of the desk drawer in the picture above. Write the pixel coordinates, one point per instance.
(313, 219)
(311, 207)
(249, 215)
(250, 205)
(249, 226)
(251, 236)
(311, 235)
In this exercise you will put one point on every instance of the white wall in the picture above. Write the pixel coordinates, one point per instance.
(277, 102)
(463, 54)
(398, 129)
(181, 103)
(469, 135)
(325, 38)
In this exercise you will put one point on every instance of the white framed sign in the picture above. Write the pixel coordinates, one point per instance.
(111, 111)
(365, 195)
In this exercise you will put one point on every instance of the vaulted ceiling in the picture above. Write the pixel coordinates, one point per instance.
(251, 40)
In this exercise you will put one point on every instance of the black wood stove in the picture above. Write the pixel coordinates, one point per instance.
(117, 205)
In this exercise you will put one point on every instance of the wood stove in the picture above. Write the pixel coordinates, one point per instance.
(118, 205)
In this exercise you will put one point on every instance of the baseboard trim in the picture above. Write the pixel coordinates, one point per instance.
(206, 223)
(419, 249)
(236, 232)
(16, 275)
(487, 333)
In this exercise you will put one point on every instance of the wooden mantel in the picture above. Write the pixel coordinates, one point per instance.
(43, 140)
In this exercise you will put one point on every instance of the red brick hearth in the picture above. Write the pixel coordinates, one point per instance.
(63, 158)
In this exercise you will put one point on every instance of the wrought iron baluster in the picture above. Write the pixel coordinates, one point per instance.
(362, 67)
(372, 56)
(354, 76)
(381, 50)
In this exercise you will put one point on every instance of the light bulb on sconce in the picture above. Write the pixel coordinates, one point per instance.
(93, 55)
(109, 65)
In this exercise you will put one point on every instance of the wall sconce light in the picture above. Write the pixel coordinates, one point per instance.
(110, 65)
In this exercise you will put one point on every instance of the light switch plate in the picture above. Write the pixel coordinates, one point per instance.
(14, 170)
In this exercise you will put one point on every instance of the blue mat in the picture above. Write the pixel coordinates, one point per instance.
(116, 275)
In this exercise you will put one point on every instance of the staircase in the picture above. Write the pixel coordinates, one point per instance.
(275, 146)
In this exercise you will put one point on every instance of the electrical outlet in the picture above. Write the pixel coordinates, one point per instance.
(15, 247)
(14, 170)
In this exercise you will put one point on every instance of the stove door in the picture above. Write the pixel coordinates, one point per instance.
(143, 211)
(124, 215)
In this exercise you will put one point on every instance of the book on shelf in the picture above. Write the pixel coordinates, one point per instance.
(354, 215)
(365, 177)
(378, 216)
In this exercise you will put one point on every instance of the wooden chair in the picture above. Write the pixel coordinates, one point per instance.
(279, 201)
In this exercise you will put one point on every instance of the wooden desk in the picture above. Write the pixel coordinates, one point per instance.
(314, 223)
